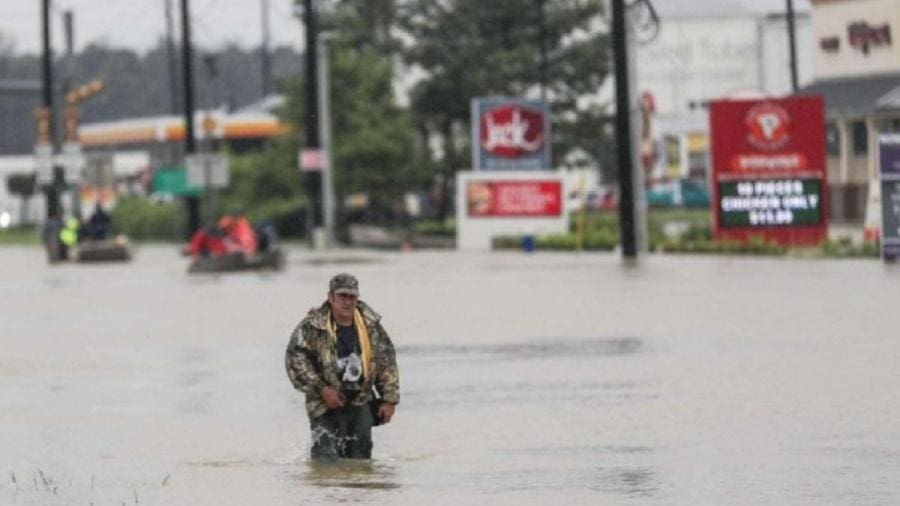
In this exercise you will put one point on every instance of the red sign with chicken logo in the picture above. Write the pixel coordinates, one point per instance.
(768, 126)
(768, 160)
(510, 134)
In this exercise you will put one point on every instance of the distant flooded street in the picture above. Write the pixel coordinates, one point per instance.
(525, 379)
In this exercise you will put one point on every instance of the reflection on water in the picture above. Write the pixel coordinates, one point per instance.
(631, 481)
(338, 260)
(220, 463)
(347, 473)
(547, 348)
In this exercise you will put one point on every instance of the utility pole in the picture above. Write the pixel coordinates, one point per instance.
(792, 43)
(70, 147)
(327, 144)
(313, 178)
(265, 58)
(624, 148)
(45, 148)
(172, 59)
(193, 202)
(47, 60)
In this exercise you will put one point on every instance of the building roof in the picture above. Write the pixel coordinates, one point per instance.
(857, 96)
(271, 104)
(160, 129)
(890, 101)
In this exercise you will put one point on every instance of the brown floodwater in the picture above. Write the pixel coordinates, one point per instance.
(525, 379)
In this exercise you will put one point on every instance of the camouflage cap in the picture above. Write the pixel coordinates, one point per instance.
(344, 283)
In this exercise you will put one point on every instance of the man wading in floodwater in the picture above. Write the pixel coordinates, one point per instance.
(336, 356)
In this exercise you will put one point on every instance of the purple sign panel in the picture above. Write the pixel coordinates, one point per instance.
(510, 134)
(890, 154)
(890, 196)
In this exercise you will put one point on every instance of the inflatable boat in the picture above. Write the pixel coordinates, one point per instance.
(268, 260)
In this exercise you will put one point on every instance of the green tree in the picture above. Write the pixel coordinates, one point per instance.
(374, 139)
(364, 24)
(266, 187)
(470, 48)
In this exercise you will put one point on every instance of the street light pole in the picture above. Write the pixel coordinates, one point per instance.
(265, 57)
(328, 203)
(47, 59)
(542, 35)
(171, 61)
(792, 42)
(71, 147)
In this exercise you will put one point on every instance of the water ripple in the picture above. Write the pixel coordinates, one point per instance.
(589, 347)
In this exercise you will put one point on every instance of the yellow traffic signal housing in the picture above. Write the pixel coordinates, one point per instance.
(42, 125)
(70, 121)
(85, 91)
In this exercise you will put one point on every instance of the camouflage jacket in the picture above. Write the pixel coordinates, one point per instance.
(311, 360)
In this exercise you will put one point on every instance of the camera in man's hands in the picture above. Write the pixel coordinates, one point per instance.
(351, 365)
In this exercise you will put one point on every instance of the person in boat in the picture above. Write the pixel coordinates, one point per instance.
(52, 243)
(207, 242)
(99, 225)
(69, 236)
(239, 234)
(229, 235)
(267, 237)
(340, 356)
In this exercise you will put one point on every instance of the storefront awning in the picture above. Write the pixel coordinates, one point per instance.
(857, 96)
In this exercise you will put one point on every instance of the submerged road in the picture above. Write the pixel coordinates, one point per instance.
(525, 379)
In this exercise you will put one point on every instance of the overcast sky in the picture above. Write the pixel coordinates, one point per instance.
(138, 24)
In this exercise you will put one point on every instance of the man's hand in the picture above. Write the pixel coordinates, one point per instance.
(331, 397)
(385, 412)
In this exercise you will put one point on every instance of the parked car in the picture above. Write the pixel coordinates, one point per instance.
(693, 194)
(598, 199)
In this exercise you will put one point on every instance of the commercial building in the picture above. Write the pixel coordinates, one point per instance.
(857, 71)
(708, 50)
(130, 150)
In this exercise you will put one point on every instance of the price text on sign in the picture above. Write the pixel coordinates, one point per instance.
(761, 203)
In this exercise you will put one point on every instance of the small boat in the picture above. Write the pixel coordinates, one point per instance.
(105, 250)
(267, 260)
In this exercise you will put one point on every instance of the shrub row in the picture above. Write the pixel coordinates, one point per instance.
(144, 219)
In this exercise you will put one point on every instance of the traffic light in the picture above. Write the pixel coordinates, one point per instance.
(85, 91)
(70, 122)
(42, 125)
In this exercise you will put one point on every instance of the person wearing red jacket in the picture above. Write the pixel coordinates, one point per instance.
(207, 242)
(240, 234)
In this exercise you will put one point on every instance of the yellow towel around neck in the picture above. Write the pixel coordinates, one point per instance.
(362, 333)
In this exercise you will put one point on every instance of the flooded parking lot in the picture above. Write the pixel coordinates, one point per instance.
(525, 379)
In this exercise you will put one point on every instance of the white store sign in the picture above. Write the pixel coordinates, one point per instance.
(492, 204)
